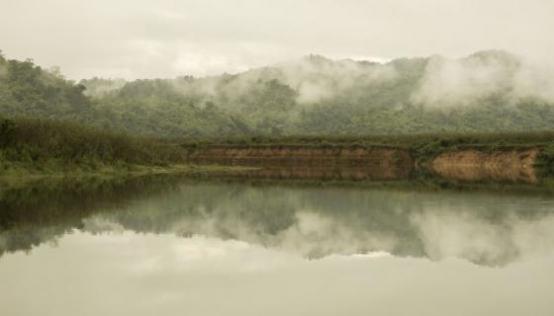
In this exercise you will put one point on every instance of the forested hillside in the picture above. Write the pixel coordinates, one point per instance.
(490, 91)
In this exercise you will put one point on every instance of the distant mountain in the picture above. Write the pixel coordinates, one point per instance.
(488, 91)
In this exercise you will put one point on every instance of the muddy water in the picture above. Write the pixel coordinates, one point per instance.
(170, 246)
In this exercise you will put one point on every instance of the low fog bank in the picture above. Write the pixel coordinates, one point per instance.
(448, 82)
(488, 91)
(436, 81)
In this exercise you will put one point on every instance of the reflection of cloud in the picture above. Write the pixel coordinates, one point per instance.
(534, 237)
(98, 224)
(361, 256)
(206, 222)
(464, 235)
(311, 234)
(315, 235)
(317, 223)
(3, 244)
(461, 234)
(165, 253)
(104, 280)
(195, 248)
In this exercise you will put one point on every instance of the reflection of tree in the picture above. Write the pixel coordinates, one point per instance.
(33, 214)
(313, 221)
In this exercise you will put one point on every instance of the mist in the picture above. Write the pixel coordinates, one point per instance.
(248, 68)
(458, 82)
(444, 83)
(262, 157)
(165, 39)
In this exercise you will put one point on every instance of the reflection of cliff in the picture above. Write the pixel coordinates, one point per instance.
(309, 221)
(473, 165)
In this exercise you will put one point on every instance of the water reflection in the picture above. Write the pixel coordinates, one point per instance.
(170, 246)
(307, 221)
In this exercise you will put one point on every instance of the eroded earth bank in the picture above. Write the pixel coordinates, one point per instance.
(372, 163)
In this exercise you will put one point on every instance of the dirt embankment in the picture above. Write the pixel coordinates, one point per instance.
(515, 165)
(312, 162)
(319, 173)
(376, 163)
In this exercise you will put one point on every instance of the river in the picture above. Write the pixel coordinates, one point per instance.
(179, 246)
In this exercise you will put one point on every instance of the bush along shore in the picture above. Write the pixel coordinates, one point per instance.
(44, 147)
(33, 147)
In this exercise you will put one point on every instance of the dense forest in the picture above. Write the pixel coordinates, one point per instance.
(490, 91)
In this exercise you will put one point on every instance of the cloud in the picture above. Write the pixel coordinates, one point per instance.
(466, 81)
(145, 39)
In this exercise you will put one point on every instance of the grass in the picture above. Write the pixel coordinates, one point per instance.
(21, 174)
(406, 141)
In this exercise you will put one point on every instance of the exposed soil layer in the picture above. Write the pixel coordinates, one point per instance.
(305, 162)
(360, 163)
(515, 165)
(262, 155)
(321, 173)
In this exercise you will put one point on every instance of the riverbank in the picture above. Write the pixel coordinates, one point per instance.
(31, 148)
(421, 147)
(468, 162)
(21, 174)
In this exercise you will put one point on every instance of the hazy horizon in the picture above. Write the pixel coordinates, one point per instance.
(141, 39)
(243, 157)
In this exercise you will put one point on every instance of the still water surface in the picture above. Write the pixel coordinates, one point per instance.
(207, 248)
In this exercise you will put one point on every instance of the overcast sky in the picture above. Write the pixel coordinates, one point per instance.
(167, 38)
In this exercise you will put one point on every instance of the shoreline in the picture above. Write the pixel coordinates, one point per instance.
(22, 175)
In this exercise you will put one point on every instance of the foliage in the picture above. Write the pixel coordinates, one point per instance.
(43, 143)
(315, 97)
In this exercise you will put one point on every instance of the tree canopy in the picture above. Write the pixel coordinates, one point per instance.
(313, 96)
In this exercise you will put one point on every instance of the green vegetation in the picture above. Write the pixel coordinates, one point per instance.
(31, 148)
(54, 124)
(546, 161)
(314, 96)
(49, 146)
(317, 96)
